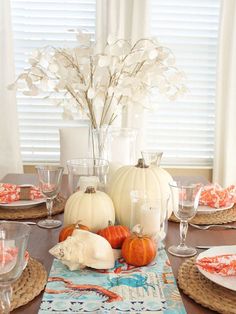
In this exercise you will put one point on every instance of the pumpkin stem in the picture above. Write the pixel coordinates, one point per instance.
(110, 223)
(141, 163)
(138, 230)
(90, 190)
(77, 224)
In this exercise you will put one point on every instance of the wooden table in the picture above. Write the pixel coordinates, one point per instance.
(41, 240)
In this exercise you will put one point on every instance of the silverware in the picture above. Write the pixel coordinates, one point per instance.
(206, 227)
(206, 246)
(26, 222)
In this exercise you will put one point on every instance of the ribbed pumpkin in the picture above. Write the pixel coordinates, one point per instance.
(69, 229)
(153, 180)
(138, 250)
(92, 208)
(115, 235)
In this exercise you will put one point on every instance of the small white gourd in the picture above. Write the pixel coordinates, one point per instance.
(83, 249)
(151, 179)
(91, 208)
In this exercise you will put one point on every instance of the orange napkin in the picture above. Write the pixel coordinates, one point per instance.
(11, 193)
(224, 265)
(215, 196)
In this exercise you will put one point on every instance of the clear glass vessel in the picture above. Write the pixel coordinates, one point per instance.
(185, 199)
(49, 183)
(13, 243)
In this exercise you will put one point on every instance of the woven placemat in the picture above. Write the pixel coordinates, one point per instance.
(204, 291)
(29, 285)
(220, 217)
(37, 211)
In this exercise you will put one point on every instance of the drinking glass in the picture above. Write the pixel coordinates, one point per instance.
(13, 242)
(49, 183)
(185, 200)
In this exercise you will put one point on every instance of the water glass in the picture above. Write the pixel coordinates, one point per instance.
(13, 242)
(152, 157)
(49, 183)
(185, 199)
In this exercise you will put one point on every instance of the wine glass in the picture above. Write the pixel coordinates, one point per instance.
(49, 184)
(185, 200)
(13, 242)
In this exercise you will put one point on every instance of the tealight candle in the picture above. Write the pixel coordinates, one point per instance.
(150, 219)
(85, 181)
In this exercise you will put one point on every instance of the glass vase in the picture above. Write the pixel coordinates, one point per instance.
(99, 143)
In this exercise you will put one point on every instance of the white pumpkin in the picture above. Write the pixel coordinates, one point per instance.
(91, 208)
(153, 180)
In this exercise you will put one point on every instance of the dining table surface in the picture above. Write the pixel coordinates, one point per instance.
(41, 240)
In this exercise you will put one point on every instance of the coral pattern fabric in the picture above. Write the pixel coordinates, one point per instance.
(11, 193)
(224, 265)
(215, 196)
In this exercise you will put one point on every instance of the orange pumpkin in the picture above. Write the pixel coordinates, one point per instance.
(115, 235)
(138, 250)
(68, 230)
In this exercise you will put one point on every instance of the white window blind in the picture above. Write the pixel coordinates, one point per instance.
(38, 23)
(184, 130)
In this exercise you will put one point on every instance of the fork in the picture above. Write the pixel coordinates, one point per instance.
(206, 227)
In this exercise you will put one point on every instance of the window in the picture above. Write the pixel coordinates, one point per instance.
(184, 130)
(37, 23)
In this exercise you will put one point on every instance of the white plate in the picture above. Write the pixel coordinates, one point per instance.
(225, 281)
(23, 203)
(211, 210)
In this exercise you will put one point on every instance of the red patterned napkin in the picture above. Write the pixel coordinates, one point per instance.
(11, 193)
(224, 265)
(215, 196)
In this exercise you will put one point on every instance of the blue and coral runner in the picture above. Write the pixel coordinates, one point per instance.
(123, 289)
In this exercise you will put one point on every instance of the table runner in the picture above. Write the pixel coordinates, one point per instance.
(123, 289)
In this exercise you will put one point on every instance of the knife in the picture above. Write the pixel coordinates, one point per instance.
(26, 222)
(206, 246)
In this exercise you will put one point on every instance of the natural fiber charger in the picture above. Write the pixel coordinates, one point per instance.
(38, 211)
(218, 218)
(29, 285)
(204, 291)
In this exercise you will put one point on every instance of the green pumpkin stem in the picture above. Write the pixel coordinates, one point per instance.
(110, 223)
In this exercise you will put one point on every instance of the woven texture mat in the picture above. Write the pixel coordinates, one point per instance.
(220, 217)
(37, 211)
(204, 291)
(29, 285)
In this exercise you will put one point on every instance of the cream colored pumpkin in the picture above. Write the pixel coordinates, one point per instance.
(154, 180)
(91, 208)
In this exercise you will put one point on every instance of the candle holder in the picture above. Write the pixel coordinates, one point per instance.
(149, 213)
(84, 172)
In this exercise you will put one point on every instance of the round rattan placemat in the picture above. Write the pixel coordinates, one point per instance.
(204, 291)
(37, 211)
(29, 285)
(220, 217)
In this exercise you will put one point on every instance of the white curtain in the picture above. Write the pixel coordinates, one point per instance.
(224, 171)
(10, 159)
(125, 19)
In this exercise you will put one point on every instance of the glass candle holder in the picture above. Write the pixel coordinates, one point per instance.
(85, 172)
(150, 214)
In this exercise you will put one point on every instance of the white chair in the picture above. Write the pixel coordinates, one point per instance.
(74, 143)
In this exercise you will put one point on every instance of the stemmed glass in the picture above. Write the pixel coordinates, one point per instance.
(13, 242)
(185, 201)
(49, 183)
